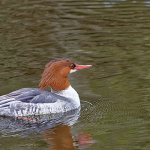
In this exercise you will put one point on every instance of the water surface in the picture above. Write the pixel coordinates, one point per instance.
(113, 35)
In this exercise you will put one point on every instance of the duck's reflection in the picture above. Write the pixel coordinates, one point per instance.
(55, 128)
(59, 138)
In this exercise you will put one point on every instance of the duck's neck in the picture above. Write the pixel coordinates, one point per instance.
(69, 93)
(57, 83)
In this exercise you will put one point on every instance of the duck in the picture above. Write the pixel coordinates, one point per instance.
(53, 95)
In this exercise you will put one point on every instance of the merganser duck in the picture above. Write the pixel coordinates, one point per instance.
(39, 101)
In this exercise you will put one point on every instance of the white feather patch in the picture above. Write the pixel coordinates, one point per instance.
(73, 70)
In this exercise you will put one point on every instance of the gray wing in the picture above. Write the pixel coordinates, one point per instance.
(29, 95)
(30, 101)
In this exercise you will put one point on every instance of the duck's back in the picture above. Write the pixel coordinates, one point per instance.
(33, 101)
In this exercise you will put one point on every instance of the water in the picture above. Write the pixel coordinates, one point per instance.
(113, 35)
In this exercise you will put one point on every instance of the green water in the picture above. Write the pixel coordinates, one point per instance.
(112, 35)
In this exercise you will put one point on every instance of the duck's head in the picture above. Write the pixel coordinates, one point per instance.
(56, 73)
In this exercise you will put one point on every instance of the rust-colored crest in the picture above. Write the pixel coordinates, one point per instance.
(55, 75)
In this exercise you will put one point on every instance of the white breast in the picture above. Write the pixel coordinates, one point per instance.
(71, 94)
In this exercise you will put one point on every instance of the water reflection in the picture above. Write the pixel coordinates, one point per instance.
(111, 3)
(55, 128)
(59, 138)
(31, 124)
(147, 3)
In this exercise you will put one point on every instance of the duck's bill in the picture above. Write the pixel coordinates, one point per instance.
(80, 67)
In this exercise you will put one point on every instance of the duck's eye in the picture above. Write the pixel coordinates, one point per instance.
(72, 66)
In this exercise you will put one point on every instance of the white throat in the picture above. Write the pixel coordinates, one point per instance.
(69, 93)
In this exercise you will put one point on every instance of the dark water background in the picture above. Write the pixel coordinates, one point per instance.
(113, 35)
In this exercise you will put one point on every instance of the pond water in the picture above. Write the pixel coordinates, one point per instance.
(113, 36)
